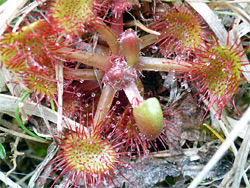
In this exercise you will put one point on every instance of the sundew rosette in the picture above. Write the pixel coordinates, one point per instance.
(182, 30)
(90, 156)
(27, 51)
(216, 73)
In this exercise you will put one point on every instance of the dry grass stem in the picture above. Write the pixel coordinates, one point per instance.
(8, 104)
(8, 181)
(21, 135)
(59, 77)
(10, 12)
(243, 122)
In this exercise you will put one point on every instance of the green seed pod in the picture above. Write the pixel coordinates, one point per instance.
(149, 118)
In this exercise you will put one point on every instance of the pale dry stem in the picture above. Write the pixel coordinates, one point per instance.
(59, 77)
(21, 135)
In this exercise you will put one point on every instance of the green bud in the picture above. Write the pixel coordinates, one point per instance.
(130, 47)
(149, 118)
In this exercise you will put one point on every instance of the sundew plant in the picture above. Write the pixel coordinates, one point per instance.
(86, 60)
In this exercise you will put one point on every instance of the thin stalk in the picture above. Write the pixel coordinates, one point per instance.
(82, 74)
(25, 94)
(89, 58)
(137, 23)
(160, 64)
(104, 104)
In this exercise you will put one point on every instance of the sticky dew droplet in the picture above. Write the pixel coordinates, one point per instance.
(154, 49)
(78, 94)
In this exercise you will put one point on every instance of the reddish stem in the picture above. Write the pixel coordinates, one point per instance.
(104, 104)
(82, 74)
(160, 64)
(89, 58)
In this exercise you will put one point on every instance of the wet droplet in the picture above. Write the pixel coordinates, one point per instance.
(154, 49)
(117, 95)
(92, 94)
(207, 63)
(212, 56)
(224, 70)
